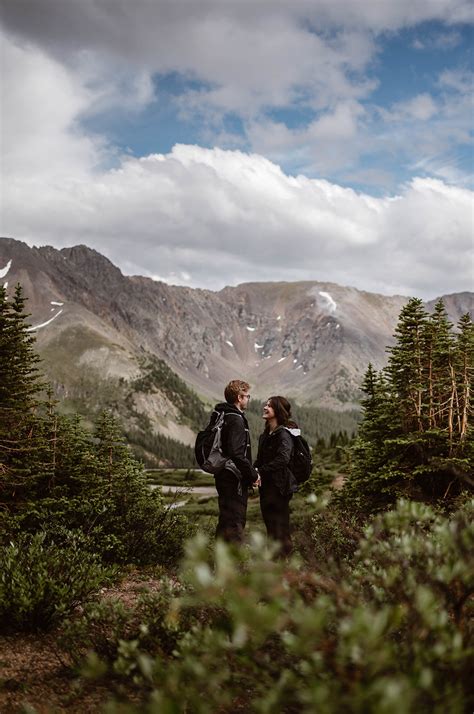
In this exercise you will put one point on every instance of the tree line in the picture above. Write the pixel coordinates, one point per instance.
(416, 438)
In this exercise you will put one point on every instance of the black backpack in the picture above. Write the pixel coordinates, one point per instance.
(208, 446)
(301, 463)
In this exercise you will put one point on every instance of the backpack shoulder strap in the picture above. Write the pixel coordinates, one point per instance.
(217, 419)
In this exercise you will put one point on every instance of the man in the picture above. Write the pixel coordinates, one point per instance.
(233, 481)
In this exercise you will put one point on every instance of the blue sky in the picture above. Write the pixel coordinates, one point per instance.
(407, 63)
(219, 129)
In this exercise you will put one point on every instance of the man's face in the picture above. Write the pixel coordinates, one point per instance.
(243, 401)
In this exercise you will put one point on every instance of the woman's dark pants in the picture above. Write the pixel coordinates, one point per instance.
(276, 515)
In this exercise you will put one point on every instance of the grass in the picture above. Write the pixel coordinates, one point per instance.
(180, 477)
(203, 510)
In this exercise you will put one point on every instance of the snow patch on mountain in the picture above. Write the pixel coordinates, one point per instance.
(43, 324)
(4, 271)
(331, 304)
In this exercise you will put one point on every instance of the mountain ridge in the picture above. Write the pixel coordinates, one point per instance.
(310, 340)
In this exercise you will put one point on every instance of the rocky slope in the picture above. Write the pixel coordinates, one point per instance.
(310, 340)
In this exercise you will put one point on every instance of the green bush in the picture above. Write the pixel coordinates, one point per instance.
(41, 582)
(115, 631)
(127, 525)
(99, 490)
(392, 632)
(334, 537)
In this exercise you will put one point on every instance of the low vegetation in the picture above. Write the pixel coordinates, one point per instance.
(387, 630)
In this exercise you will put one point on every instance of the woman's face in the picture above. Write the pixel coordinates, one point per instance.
(268, 411)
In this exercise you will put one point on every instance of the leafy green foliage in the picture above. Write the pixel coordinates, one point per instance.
(389, 631)
(334, 537)
(114, 630)
(40, 581)
(416, 438)
(97, 488)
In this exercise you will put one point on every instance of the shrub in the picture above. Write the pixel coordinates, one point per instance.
(115, 631)
(40, 582)
(335, 535)
(140, 529)
(118, 527)
(390, 634)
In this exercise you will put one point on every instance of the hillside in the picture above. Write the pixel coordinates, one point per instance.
(102, 334)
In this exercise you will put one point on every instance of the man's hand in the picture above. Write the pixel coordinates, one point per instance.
(258, 482)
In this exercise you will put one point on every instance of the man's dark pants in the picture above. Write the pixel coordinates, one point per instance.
(232, 508)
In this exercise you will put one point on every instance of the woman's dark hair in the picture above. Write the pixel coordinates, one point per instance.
(282, 409)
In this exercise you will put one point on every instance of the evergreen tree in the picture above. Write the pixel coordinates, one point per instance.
(464, 366)
(406, 365)
(57, 479)
(20, 389)
(415, 438)
(438, 364)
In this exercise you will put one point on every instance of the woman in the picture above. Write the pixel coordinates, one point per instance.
(278, 484)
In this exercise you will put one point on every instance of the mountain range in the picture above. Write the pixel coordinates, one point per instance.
(123, 339)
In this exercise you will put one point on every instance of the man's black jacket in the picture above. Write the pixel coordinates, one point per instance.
(236, 441)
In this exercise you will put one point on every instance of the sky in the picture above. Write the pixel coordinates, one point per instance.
(214, 142)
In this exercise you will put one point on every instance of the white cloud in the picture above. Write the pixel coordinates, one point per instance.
(250, 60)
(143, 30)
(214, 217)
(40, 106)
(330, 142)
(421, 107)
(457, 80)
(250, 56)
(211, 217)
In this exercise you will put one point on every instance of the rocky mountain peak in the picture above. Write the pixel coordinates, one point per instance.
(310, 340)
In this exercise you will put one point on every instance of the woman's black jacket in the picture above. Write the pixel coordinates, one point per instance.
(274, 453)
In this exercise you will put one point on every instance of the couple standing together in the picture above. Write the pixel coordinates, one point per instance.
(270, 471)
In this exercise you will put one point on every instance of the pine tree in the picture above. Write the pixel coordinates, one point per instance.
(20, 398)
(57, 479)
(464, 362)
(406, 364)
(370, 452)
(415, 438)
(439, 368)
